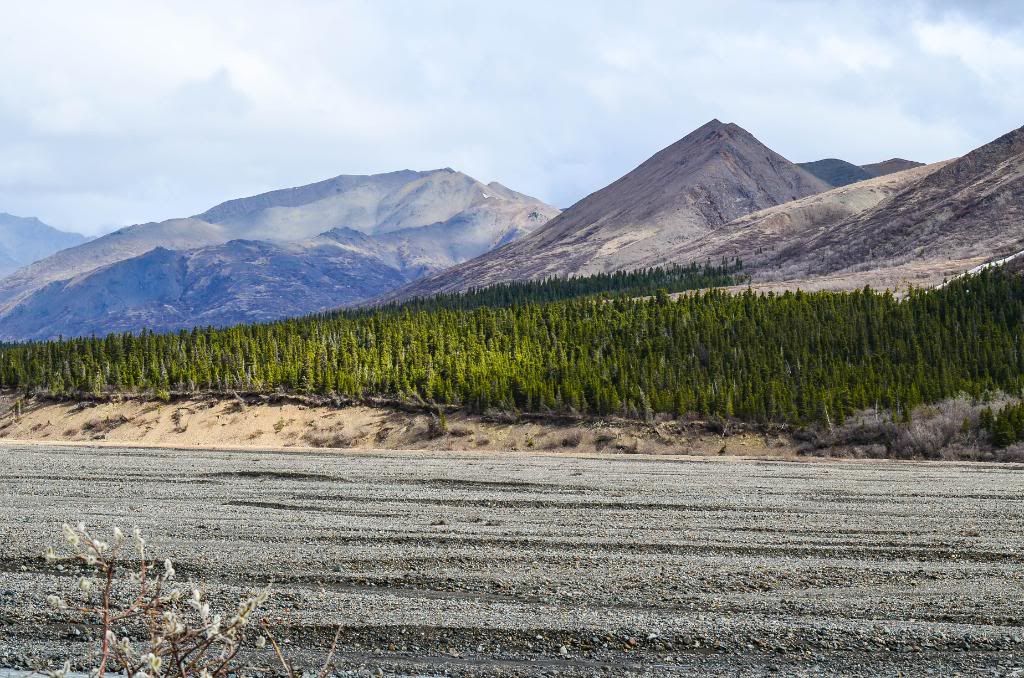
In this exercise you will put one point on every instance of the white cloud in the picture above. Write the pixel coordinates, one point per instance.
(119, 112)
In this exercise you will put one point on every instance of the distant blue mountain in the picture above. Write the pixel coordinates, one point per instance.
(26, 239)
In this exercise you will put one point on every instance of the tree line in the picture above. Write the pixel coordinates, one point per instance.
(638, 283)
(794, 357)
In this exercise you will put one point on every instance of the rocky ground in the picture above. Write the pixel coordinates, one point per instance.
(523, 564)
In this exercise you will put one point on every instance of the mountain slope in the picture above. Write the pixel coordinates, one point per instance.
(968, 208)
(915, 226)
(24, 240)
(390, 228)
(446, 200)
(836, 172)
(687, 190)
(878, 169)
(768, 240)
(240, 281)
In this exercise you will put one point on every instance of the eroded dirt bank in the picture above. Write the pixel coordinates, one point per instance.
(292, 423)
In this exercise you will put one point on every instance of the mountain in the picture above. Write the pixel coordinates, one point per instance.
(769, 240)
(890, 166)
(917, 226)
(683, 193)
(966, 210)
(836, 172)
(375, 204)
(309, 245)
(237, 282)
(24, 240)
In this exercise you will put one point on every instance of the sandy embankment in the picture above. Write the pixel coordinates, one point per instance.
(230, 423)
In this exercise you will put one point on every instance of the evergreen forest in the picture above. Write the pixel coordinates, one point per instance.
(792, 357)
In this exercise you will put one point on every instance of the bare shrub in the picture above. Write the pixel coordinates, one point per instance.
(149, 625)
(178, 419)
(628, 445)
(932, 429)
(949, 430)
(501, 416)
(437, 425)
(104, 425)
(572, 439)
(331, 439)
(1014, 454)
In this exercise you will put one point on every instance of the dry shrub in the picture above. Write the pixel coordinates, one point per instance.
(150, 625)
(946, 430)
(1014, 454)
(628, 446)
(572, 439)
(437, 426)
(501, 416)
(331, 439)
(104, 425)
(178, 419)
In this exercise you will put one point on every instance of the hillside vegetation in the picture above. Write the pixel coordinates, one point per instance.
(792, 357)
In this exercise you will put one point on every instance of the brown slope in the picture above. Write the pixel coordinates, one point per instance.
(890, 166)
(684, 192)
(760, 237)
(971, 208)
(916, 226)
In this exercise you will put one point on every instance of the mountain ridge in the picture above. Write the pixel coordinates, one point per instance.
(411, 223)
(24, 240)
(684, 191)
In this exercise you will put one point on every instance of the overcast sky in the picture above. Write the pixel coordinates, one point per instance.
(116, 113)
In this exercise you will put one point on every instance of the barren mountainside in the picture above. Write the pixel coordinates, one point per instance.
(836, 172)
(684, 192)
(914, 226)
(292, 251)
(878, 169)
(759, 236)
(969, 208)
(918, 225)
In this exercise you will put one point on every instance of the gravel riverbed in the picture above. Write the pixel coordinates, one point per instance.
(530, 564)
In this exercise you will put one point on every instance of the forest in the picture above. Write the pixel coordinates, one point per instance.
(794, 357)
(639, 283)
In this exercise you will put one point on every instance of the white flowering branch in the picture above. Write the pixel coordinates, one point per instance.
(185, 637)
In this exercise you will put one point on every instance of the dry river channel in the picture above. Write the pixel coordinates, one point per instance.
(529, 564)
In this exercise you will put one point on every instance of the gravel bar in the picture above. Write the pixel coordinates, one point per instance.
(522, 564)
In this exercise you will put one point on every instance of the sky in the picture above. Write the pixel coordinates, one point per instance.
(114, 113)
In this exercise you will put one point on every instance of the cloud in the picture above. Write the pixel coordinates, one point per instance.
(116, 112)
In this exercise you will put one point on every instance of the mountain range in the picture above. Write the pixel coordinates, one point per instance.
(681, 194)
(278, 254)
(912, 224)
(26, 239)
(716, 193)
(836, 172)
